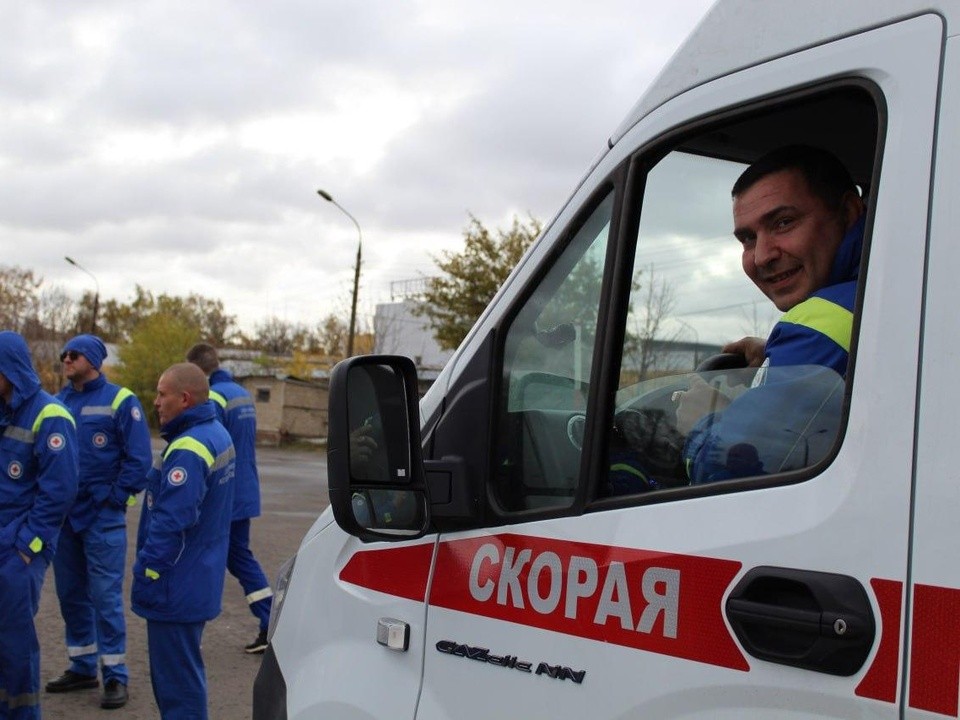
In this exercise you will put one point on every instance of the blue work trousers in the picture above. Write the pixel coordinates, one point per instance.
(20, 585)
(177, 674)
(244, 567)
(88, 569)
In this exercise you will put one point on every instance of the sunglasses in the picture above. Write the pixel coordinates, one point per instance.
(72, 354)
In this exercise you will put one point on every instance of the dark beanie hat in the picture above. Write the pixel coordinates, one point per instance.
(90, 346)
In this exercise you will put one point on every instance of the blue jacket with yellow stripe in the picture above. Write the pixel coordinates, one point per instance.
(772, 421)
(38, 456)
(114, 442)
(184, 528)
(238, 414)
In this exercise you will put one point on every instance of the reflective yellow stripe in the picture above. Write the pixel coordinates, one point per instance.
(218, 398)
(36, 545)
(121, 396)
(52, 410)
(830, 319)
(194, 446)
(152, 574)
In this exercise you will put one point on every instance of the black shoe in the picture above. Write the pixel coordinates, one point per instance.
(258, 645)
(70, 681)
(114, 694)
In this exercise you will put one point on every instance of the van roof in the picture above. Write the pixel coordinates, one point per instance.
(735, 34)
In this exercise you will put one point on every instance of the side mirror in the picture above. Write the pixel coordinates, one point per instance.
(374, 462)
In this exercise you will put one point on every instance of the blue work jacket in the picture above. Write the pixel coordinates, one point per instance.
(184, 528)
(238, 414)
(114, 442)
(38, 456)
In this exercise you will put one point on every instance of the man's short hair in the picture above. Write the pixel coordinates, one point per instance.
(204, 356)
(827, 177)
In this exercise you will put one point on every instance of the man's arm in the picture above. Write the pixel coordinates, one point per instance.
(55, 448)
(176, 507)
(136, 453)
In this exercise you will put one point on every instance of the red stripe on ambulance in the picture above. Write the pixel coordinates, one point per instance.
(661, 603)
(880, 681)
(935, 649)
(398, 571)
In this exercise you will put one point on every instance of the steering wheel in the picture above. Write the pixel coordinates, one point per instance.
(723, 361)
(650, 430)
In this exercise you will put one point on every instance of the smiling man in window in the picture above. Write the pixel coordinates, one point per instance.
(800, 219)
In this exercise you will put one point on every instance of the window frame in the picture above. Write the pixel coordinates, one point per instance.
(602, 402)
(614, 184)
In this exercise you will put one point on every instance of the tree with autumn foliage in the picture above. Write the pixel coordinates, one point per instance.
(454, 300)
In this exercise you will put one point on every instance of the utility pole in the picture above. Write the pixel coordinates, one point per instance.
(353, 302)
(356, 271)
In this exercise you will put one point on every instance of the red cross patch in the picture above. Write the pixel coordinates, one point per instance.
(56, 442)
(177, 476)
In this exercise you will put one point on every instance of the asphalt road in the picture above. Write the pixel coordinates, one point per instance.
(294, 492)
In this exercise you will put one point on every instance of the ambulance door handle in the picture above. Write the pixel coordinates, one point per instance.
(812, 620)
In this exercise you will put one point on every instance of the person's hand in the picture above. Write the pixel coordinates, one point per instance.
(362, 445)
(698, 400)
(754, 349)
(23, 556)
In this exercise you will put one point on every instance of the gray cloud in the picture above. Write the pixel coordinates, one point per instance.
(179, 144)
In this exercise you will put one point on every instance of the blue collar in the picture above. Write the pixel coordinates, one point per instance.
(187, 419)
(846, 263)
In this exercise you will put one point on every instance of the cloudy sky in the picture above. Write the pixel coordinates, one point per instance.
(179, 144)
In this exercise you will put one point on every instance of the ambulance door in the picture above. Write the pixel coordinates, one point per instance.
(933, 667)
(603, 584)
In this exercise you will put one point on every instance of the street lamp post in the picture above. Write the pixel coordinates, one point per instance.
(96, 296)
(356, 271)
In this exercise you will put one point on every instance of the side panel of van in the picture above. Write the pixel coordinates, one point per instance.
(328, 639)
(545, 617)
(933, 667)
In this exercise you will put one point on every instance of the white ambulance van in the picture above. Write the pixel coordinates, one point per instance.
(525, 541)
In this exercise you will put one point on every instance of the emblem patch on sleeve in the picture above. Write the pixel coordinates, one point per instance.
(136, 414)
(99, 440)
(177, 476)
(56, 442)
(15, 470)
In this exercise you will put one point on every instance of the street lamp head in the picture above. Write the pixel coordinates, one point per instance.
(325, 195)
(96, 295)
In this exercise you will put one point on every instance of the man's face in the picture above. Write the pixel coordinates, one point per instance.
(789, 236)
(76, 368)
(170, 401)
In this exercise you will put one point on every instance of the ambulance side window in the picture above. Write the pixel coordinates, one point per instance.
(677, 422)
(547, 359)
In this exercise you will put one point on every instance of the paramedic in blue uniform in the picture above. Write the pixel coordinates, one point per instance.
(238, 414)
(115, 457)
(38, 482)
(800, 221)
(182, 540)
